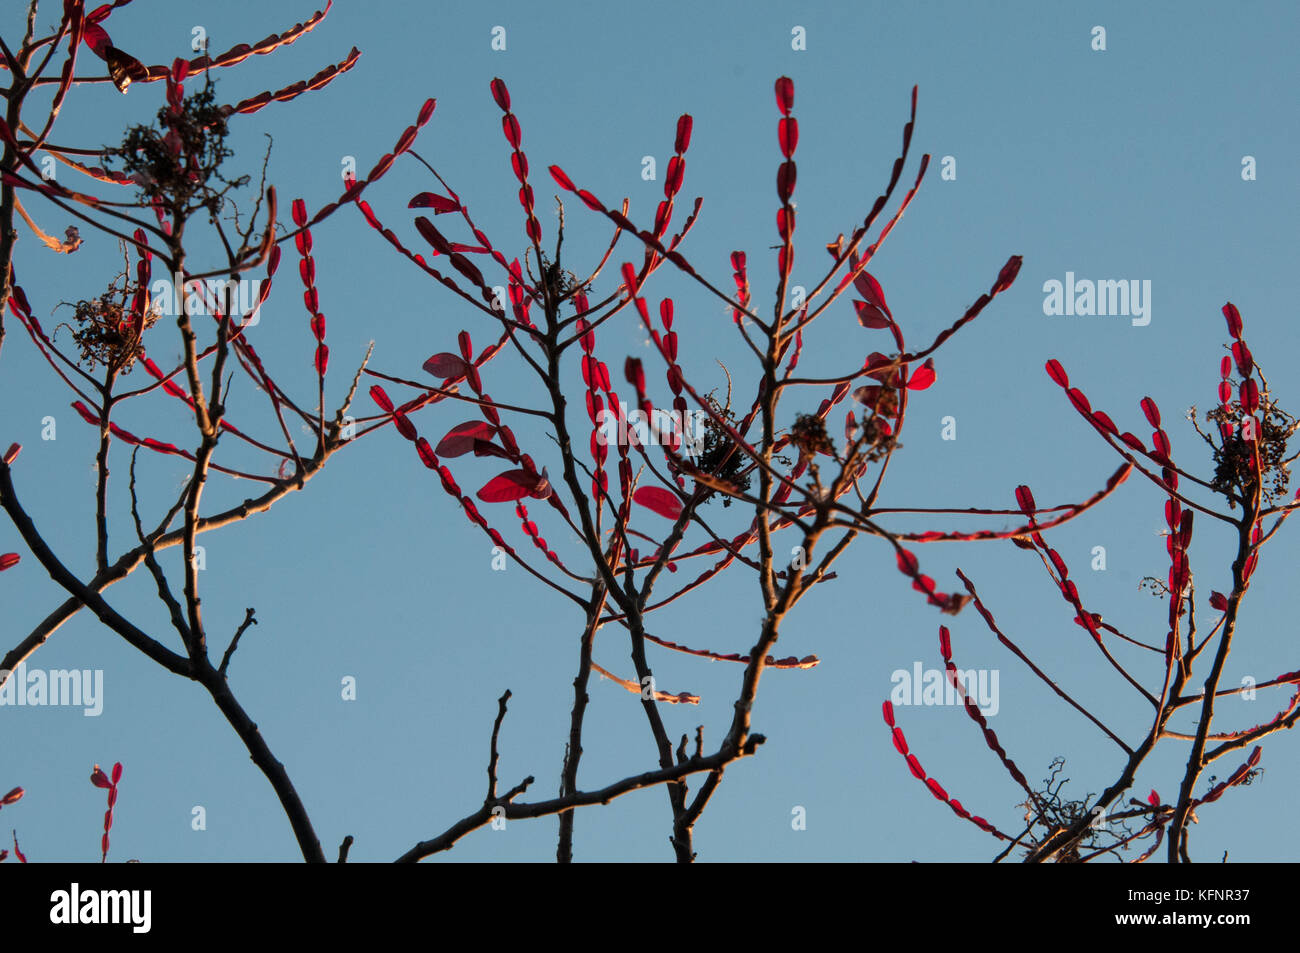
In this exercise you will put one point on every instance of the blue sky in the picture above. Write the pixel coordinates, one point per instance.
(1116, 164)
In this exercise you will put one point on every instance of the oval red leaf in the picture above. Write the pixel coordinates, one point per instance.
(460, 439)
(446, 365)
(664, 502)
(785, 94)
(787, 134)
(509, 486)
(923, 376)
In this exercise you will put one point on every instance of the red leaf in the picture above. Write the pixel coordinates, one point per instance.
(96, 37)
(446, 366)
(485, 448)
(403, 425)
(785, 94)
(1025, 500)
(900, 742)
(439, 203)
(561, 179)
(785, 179)
(1153, 798)
(1106, 423)
(923, 376)
(1233, 317)
(433, 236)
(8, 561)
(869, 316)
(510, 126)
(1008, 274)
(1057, 373)
(915, 767)
(12, 453)
(936, 789)
(86, 415)
(99, 779)
(501, 94)
(635, 374)
(870, 289)
(673, 177)
(509, 486)
(117, 772)
(12, 796)
(1218, 601)
(683, 134)
(1151, 410)
(787, 134)
(887, 709)
(1241, 354)
(378, 395)
(1079, 401)
(664, 502)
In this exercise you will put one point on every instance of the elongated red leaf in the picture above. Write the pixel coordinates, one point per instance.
(787, 134)
(561, 179)
(1057, 373)
(8, 561)
(664, 502)
(1233, 317)
(785, 94)
(1025, 500)
(1241, 354)
(683, 134)
(439, 203)
(501, 94)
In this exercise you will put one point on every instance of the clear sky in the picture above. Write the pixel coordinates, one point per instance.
(1117, 164)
